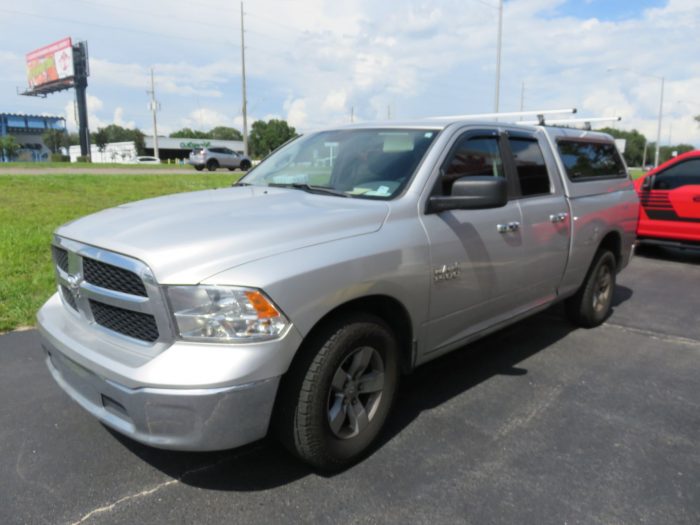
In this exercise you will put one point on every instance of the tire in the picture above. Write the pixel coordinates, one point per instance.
(212, 165)
(199, 168)
(591, 305)
(245, 165)
(338, 393)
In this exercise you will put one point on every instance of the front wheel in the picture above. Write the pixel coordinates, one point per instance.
(336, 397)
(591, 305)
(245, 165)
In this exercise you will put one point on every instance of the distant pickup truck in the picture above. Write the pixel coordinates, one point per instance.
(295, 300)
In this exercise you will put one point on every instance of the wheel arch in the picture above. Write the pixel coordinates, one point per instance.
(612, 242)
(388, 309)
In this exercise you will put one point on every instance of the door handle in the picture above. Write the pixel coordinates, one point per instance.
(558, 217)
(510, 227)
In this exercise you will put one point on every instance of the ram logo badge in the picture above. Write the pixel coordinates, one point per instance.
(446, 272)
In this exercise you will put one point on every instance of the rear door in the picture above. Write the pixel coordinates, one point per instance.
(546, 222)
(671, 208)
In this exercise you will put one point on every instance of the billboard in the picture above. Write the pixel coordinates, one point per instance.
(50, 64)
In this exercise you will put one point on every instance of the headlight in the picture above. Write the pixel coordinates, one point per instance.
(225, 314)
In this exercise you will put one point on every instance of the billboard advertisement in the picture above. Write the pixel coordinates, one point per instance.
(50, 63)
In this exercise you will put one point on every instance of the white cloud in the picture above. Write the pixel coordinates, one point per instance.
(313, 61)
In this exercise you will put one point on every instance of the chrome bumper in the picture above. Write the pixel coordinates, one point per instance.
(200, 419)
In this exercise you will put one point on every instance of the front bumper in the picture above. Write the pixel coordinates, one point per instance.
(202, 419)
(186, 396)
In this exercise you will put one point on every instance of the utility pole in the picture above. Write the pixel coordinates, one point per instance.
(154, 110)
(388, 112)
(352, 114)
(498, 55)
(245, 98)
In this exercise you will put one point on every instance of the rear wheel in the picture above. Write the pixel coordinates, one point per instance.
(336, 398)
(592, 303)
(212, 165)
(199, 168)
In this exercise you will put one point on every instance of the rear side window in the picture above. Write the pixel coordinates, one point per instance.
(682, 174)
(532, 170)
(585, 160)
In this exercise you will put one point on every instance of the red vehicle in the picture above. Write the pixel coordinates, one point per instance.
(670, 203)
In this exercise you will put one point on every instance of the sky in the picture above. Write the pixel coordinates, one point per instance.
(316, 62)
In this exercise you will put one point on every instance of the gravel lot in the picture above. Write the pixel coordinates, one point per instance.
(541, 423)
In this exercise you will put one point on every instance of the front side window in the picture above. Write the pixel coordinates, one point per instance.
(475, 156)
(587, 159)
(682, 174)
(364, 163)
(530, 165)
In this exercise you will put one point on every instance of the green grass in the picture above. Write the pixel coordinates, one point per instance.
(635, 173)
(32, 206)
(85, 165)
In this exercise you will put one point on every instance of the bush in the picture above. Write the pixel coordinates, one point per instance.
(57, 157)
(83, 158)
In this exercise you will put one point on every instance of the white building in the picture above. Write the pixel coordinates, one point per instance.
(173, 149)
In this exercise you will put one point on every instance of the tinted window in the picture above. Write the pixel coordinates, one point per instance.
(532, 170)
(585, 160)
(681, 174)
(473, 157)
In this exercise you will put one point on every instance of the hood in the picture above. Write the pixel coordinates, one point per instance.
(188, 237)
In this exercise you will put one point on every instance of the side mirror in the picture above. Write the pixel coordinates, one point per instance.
(648, 183)
(472, 193)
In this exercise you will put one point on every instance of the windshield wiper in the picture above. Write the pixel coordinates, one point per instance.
(320, 190)
(241, 184)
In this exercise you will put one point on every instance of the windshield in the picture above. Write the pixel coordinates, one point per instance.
(367, 163)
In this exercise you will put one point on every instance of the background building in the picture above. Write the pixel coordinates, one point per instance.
(172, 149)
(27, 131)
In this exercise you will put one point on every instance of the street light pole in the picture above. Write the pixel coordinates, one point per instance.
(498, 55)
(658, 129)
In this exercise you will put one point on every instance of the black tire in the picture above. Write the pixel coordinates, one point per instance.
(212, 165)
(199, 168)
(591, 305)
(245, 165)
(310, 393)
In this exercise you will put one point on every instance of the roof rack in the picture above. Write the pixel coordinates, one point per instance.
(539, 114)
(586, 121)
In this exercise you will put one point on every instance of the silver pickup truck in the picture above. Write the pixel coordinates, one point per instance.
(296, 299)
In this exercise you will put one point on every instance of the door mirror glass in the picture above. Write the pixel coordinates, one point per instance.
(472, 193)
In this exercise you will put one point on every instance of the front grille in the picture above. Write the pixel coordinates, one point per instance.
(126, 322)
(60, 256)
(112, 277)
(68, 297)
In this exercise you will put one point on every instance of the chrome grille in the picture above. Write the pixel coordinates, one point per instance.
(68, 297)
(126, 322)
(114, 293)
(60, 256)
(112, 277)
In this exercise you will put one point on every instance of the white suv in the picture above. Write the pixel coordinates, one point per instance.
(213, 158)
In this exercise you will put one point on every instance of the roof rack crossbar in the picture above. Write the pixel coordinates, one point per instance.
(538, 113)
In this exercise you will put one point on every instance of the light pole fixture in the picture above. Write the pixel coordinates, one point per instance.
(661, 105)
(498, 56)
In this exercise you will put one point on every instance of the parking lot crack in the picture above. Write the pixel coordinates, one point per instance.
(656, 335)
(153, 490)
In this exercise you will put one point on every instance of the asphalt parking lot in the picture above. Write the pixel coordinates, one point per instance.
(541, 423)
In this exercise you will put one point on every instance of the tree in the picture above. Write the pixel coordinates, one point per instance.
(634, 148)
(100, 139)
(225, 133)
(115, 133)
(8, 147)
(666, 152)
(188, 133)
(55, 139)
(268, 136)
(697, 119)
